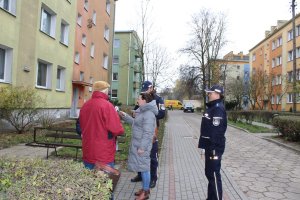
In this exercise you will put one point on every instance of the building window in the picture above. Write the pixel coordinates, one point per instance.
(297, 30)
(279, 42)
(278, 99)
(60, 78)
(117, 43)
(114, 93)
(91, 82)
(105, 61)
(79, 19)
(94, 17)
(115, 76)
(290, 55)
(297, 52)
(44, 75)
(116, 60)
(106, 33)
(253, 57)
(5, 64)
(273, 62)
(86, 5)
(290, 35)
(238, 78)
(108, 7)
(77, 57)
(278, 61)
(273, 45)
(83, 40)
(9, 5)
(64, 32)
(81, 76)
(48, 21)
(272, 99)
(92, 50)
(289, 98)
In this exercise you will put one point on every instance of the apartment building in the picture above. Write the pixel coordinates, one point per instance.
(234, 67)
(126, 72)
(93, 48)
(274, 56)
(37, 48)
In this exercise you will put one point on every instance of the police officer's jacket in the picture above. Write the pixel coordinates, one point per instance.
(213, 127)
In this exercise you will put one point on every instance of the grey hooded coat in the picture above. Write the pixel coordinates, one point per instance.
(143, 127)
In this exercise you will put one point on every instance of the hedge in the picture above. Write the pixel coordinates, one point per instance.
(288, 126)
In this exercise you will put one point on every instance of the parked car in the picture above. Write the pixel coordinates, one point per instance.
(188, 107)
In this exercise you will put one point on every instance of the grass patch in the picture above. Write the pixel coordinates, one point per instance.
(251, 128)
(8, 139)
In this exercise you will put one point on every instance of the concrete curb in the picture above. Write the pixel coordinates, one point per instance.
(268, 139)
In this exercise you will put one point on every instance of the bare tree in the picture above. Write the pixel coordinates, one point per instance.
(235, 91)
(208, 37)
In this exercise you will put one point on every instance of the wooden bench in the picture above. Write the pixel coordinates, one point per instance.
(55, 137)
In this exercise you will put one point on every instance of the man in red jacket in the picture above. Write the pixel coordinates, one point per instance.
(100, 125)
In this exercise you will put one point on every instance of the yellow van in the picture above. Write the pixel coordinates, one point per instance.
(175, 104)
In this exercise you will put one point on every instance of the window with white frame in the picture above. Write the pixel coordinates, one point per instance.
(289, 98)
(77, 57)
(278, 61)
(298, 74)
(279, 79)
(290, 35)
(91, 82)
(81, 76)
(117, 43)
(297, 30)
(60, 78)
(297, 52)
(5, 64)
(116, 59)
(92, 50)
(83, 39)
(253, 57)
(48, 21)
(79, 19)
(108, 7)
(273, 62)
(114, 93)
(105, 61)
(273, 81)
(94, 17)
(86, 5)
(106, 33)
(115, 76)
(273, 45)
(290, 55)
(9, 5)
(278, 99)
(43, 79)
(64, 32)
(279, 42)
(272, 99)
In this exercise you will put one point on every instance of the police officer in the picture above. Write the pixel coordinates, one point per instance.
(212, 140)
(148, 88)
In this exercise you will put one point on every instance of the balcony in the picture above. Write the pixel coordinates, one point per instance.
(136, 85)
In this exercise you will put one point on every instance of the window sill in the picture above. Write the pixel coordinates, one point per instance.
(42, 88)
(7, 11)
(47, 34)
(59, 90)
(66, 45)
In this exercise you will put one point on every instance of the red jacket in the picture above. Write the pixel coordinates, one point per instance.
(100, 124)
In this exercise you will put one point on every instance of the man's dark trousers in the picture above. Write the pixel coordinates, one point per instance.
(212, 173)
(154, 161)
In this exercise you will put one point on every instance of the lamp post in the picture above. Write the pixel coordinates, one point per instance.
(294, 56)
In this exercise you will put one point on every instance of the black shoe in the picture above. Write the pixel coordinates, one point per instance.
(136, 179)
(152, 184)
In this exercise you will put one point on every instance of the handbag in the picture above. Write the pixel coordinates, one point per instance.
(112, 173)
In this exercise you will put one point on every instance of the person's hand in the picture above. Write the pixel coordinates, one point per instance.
(122, 114)
(140, 151)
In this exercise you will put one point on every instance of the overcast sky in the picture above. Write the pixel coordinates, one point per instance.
(247, 20)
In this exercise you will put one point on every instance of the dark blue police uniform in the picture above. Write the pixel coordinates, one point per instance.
(212, 139)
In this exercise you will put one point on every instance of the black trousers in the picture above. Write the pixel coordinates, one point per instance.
(212, 173)
(154, 162)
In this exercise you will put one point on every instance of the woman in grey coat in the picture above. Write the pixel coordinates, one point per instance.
(143, 127)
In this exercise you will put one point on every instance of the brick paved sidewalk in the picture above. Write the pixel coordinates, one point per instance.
(181, 172)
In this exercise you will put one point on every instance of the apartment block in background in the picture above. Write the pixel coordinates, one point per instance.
(93, 48)
(127, 67)
(37, 48)
(274, 56)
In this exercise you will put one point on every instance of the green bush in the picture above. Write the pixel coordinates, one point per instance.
(46, 179)
(288, 127)
(19, 106)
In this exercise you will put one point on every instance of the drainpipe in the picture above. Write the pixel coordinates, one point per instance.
(129, 62)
